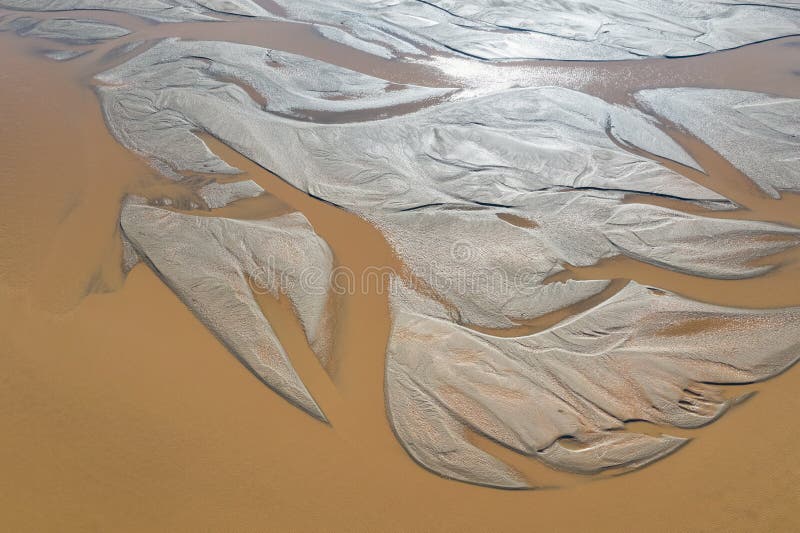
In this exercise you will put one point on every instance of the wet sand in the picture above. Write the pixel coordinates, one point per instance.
(121, 412)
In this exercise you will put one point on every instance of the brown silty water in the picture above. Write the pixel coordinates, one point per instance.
(120, 411)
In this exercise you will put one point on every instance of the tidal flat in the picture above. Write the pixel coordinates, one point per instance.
(355, 267)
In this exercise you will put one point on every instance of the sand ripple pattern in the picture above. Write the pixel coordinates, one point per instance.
(512, 184)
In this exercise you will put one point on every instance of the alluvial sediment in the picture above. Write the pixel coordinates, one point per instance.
(484, 198)
(552, 155)
(65, 55)
(215, 264)
(436, 182)
(581, 379)
(218, 195)
(564, 29)
(141, 97)
(492, 29)
(68, 31)
(158, 10)
(727, 120)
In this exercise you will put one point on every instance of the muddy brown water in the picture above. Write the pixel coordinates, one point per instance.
(119, 411)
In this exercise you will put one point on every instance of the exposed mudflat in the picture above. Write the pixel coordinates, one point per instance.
(164, 205)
